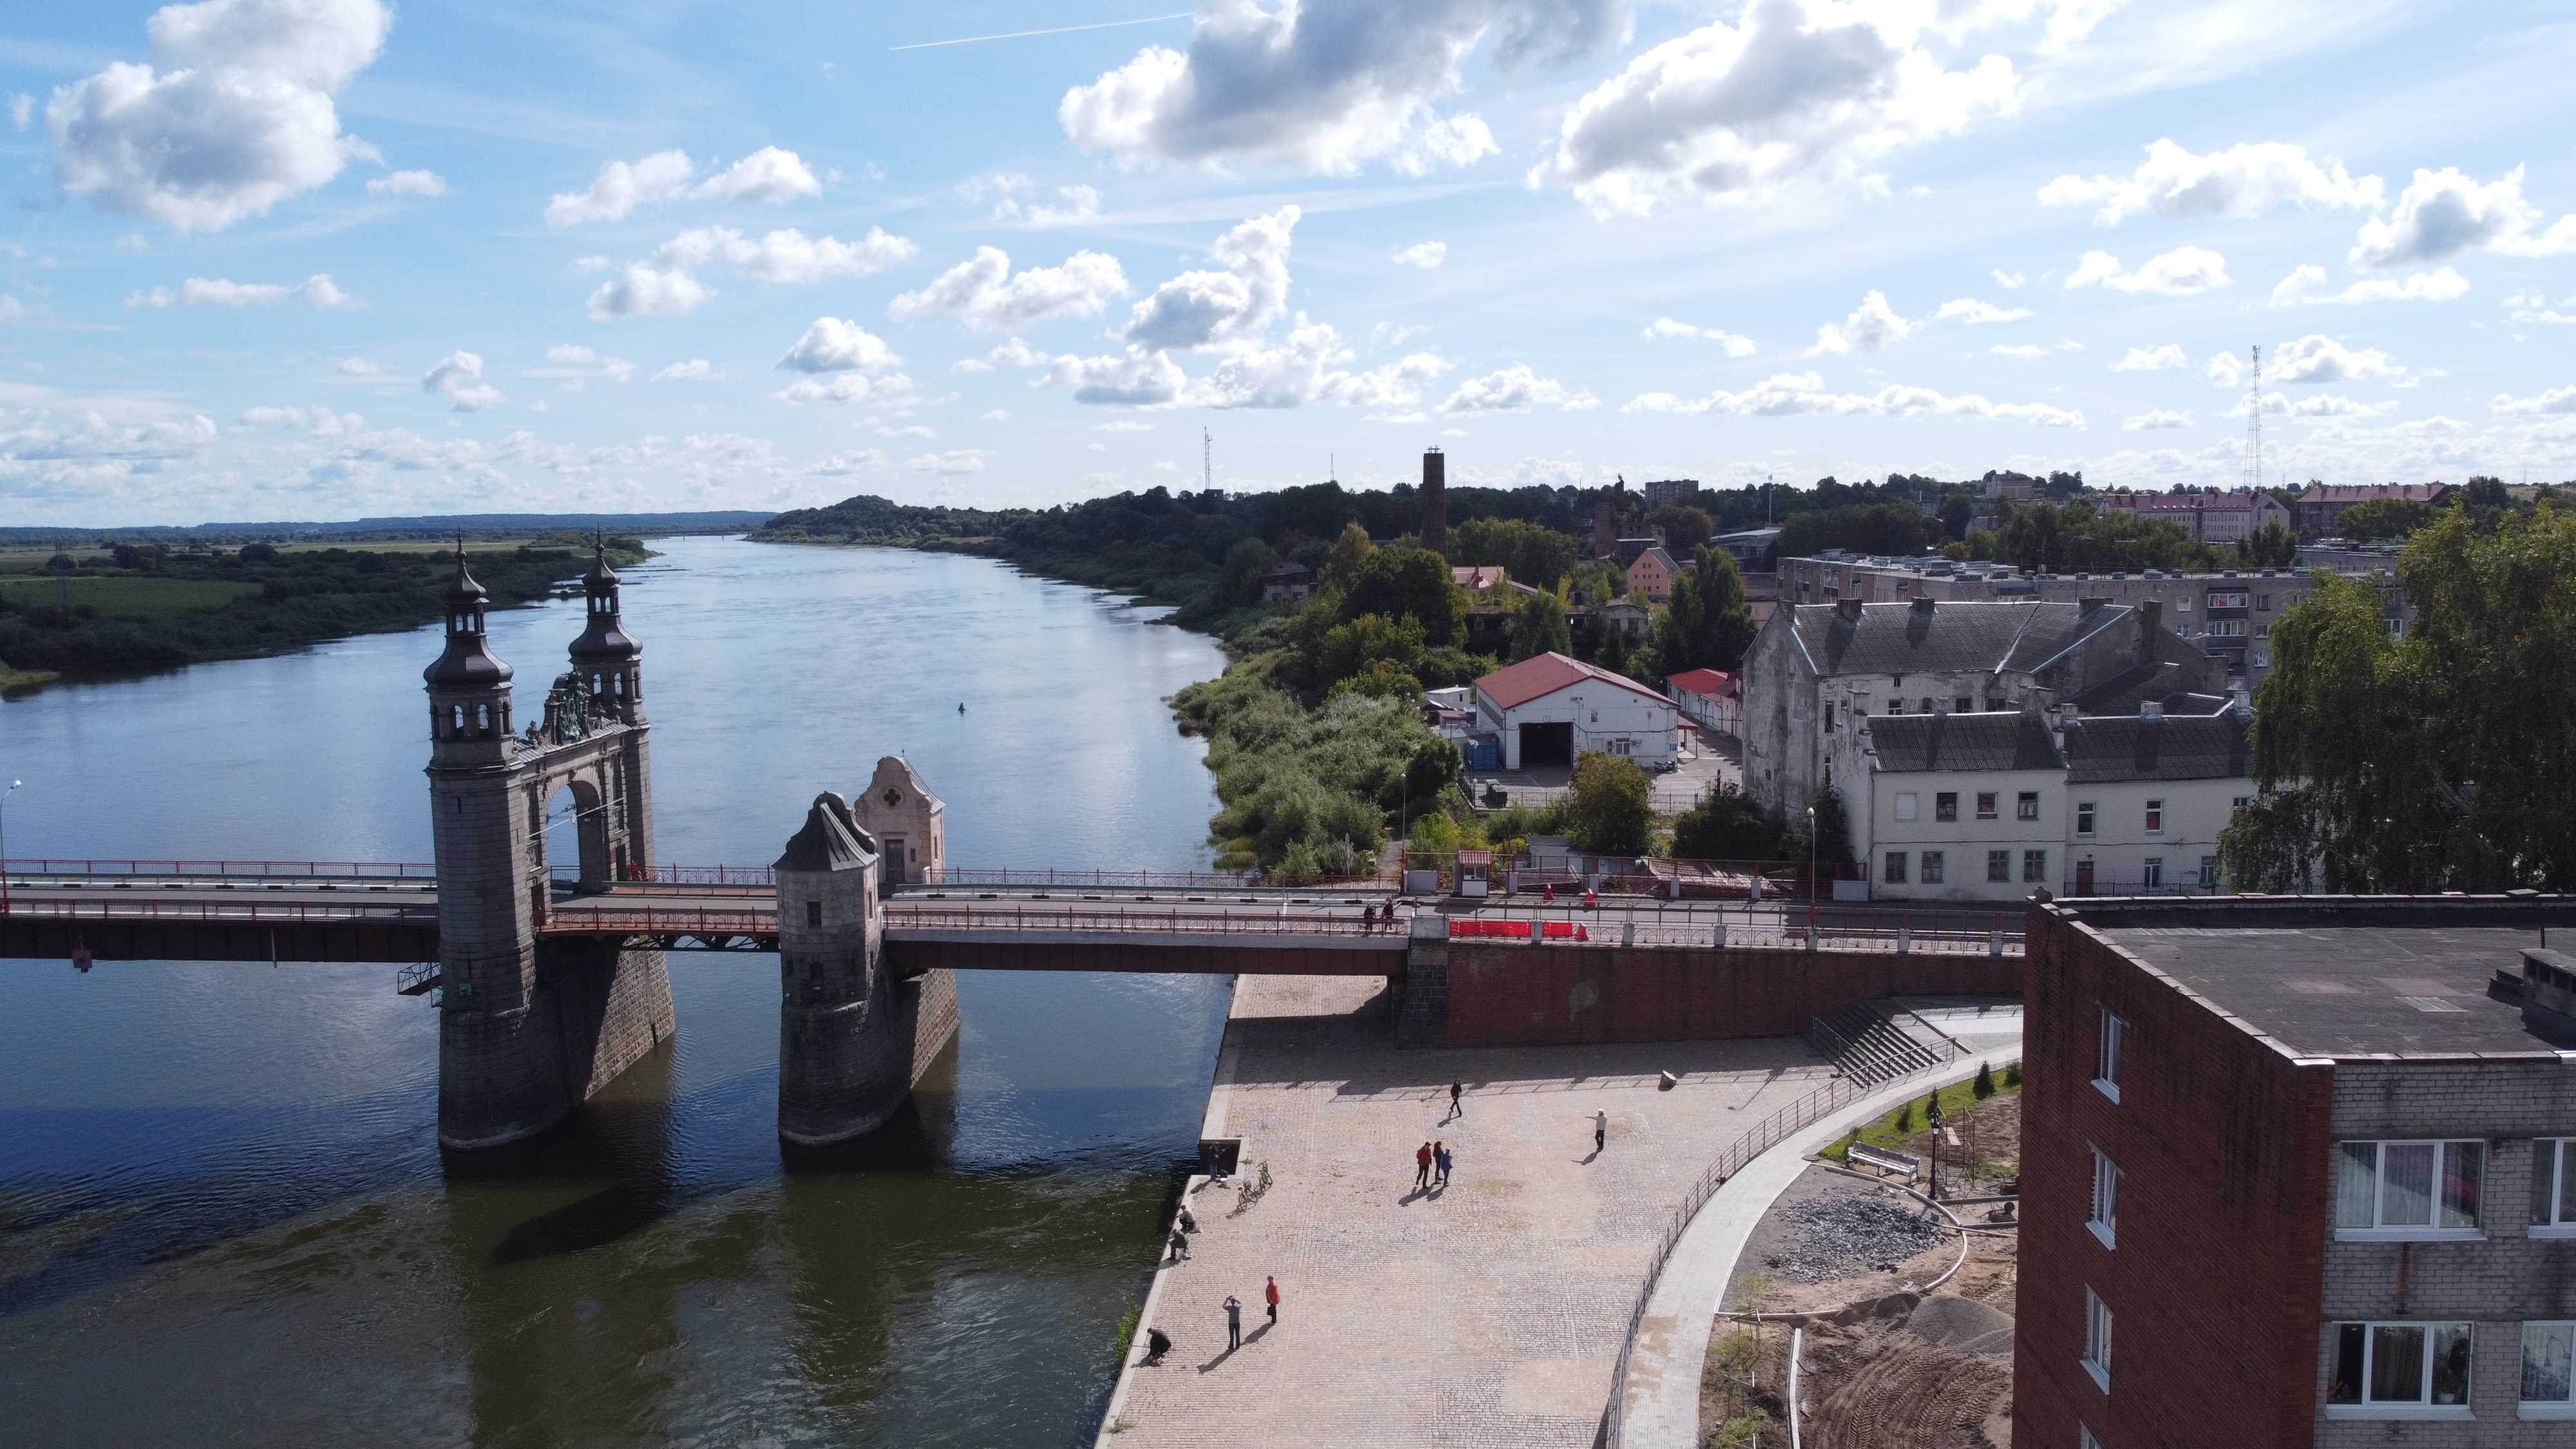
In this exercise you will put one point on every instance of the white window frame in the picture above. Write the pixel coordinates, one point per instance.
(1909, 806)
(2151, 872)
(2103, 1216)
(2543, 1408)
(2422, 1407)
(1893, 868)
(2084, 816)
(1933, 868)
(2106, 1058)
(2156, 816)
(2034, 866)
(2026, 805)
(2553, 1191)
(2097, 1339)
(2432, 1232)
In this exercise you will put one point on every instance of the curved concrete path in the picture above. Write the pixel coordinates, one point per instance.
(1662, 1397)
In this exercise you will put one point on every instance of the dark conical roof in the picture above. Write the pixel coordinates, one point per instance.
(462, 589)
(604, 639)
(601, 576)
(468, 661)
(829, 841)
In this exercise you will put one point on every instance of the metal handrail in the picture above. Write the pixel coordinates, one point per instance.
(1166, 922)
(341, 869)
(596, 921)
(148, 908)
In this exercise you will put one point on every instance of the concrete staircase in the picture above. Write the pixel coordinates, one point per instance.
(1876, 1041)
(1422, 1017)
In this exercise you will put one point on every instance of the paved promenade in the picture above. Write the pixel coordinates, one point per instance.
(1488, 1313)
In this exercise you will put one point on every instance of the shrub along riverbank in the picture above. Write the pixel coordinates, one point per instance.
(151, 609)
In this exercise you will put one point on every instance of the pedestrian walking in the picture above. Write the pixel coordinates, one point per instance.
(1180, 1246)
(1422, 1165)
(1455, 1087)
(1440, 1155)
(1233, 1321)
(1272, 1293)
(1600, 1130)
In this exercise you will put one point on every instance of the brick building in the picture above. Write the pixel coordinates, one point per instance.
(2297, 1172)
(2208, 517)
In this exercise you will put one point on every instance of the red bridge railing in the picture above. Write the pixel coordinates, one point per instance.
(332, 869)
(148, 908)
(649, 921)
(1126, 923)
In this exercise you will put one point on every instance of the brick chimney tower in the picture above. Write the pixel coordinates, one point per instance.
(1435, 502)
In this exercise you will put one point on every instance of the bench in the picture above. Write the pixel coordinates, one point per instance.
(1862, 1154)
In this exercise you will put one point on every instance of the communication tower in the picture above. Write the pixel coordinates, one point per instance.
(2254, 428)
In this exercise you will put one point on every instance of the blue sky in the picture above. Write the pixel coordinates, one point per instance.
(282, 259)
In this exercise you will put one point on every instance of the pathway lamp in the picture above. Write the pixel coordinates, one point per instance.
(1932, 1116)
(4, 843)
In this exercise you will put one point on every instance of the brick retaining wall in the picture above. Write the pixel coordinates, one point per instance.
(1555, 995)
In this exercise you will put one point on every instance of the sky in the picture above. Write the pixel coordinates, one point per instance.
(326, 259)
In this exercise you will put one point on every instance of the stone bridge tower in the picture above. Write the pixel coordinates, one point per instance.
(852, 1039)
(530, 1027)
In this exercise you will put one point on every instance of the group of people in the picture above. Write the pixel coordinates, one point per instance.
(1431, 1164)
(1379, 915)
(1159, 1343)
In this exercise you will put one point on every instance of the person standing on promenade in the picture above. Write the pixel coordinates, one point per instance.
(1455, 1108)
(1272, 1294)
(1600, 1130)
(1233, 1321)
(1422, 1166)
(1440, 1156)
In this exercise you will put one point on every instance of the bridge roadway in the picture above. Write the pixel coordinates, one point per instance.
(197, 913)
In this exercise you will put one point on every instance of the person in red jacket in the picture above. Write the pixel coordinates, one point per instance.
(1272, 1294)
(1422, 1165)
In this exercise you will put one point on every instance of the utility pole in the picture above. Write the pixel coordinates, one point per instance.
(2254, 428)
(1207, 459)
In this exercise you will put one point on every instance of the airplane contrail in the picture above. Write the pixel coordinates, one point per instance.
(1059, 30)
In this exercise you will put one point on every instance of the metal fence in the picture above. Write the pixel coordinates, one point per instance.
(340, 869)
(650, 921)
(1149, 879)
(1072, 920)
(1798, 926)
(150, 908)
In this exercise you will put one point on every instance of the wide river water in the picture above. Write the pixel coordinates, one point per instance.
(224, 1216)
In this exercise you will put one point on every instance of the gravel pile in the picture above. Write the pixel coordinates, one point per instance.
(1840, 1237)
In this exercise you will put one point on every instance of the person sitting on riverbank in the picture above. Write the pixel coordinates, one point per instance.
(1157, 1344)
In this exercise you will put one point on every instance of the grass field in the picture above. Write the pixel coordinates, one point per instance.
(1885, 1133)
(128, 597)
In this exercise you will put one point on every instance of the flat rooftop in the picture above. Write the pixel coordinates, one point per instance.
(2357, 978)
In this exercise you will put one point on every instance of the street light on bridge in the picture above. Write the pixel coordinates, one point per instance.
(4, 843)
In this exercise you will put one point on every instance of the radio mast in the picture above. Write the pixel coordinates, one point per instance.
(2254, 428)
(1207, 459)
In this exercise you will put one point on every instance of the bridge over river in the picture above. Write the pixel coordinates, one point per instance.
(551, 978)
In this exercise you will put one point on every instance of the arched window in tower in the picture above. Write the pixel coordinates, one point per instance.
(617, 682)
(456, 729)
(483, 719)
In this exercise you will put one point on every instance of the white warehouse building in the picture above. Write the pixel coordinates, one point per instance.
(1547, 709)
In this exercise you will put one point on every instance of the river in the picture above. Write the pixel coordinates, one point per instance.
(224, 1216)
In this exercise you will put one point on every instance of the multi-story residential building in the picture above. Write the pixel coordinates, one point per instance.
(1671, 490)
(1816, 671)
(2229, 614)
(1651, 575)
(1968, 807)
(2321, 508)
(2297, 1173)
(2210, 517)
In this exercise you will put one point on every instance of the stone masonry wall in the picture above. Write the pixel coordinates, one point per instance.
(1539, 995)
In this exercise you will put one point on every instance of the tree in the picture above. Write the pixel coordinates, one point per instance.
(1726, 824)
(1707, 625)
(2071, 538)
(2378, 518)
(1832, 836)
(1956, 510)
(2441, 761)
(1984, 1086)
(2485, 493)
(1899, 529)
(1530, 552)
(1342, 565)
(1353, 648)
(1685, 528)
(1610, 810)
(1538, 627)
(1245, 562)
(1407, 583)
(2270, 547)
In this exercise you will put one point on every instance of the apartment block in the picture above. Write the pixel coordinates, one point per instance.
(2298, 1171)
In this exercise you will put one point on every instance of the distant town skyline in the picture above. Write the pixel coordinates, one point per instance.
(327, 258)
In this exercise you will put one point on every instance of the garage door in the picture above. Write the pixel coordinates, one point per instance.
(1547, 744)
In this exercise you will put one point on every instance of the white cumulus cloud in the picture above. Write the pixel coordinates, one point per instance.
(2557, 400)
(1013, 353)
(1793, 394)
(1798, 90)
(408, 183)
(2241, 181)
(1214, 309)
(2178, 273)
(2317, 358)
(2308, 284)
(238, 118)
(1871, 325)
(1329, 84)
(2445, 213)
(2153, 359)
(695, 369)
(460, 375)
(768, 174)
(982, 292)
(1972, 311)
(956, 461)
(1669, 327)
(833, 345)
(316, 290)
(2150, 421)
(1426, 255)
(1515, 389)
(1135, 378)
(645, 290)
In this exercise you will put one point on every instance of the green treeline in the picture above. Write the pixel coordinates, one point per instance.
(149, 616)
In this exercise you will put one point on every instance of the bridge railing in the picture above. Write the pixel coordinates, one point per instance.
(253, 910)
(1787, 927)
(1142, 879)
(1199, 922)
(679, 875)
(651, 921)
(316, 869)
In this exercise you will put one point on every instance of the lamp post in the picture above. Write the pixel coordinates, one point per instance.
(4, 843)
(1811, 877)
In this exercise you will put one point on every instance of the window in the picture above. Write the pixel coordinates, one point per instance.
(1945, 805)
(2553, 1187)
(483, 718)
(1895, 872)
(2263, 602)
(1986, 805)
(2240, 802)
(2227, 599)
(1896, 706)
(2084, 817)
(2155, 817)
(2547, 1352)
(2400, 1191)
(1933, 865)
(1994, 703)
(1927, 706)
(2183, 604)
(2400, 1371)
(1964, 704)
(2027, 807)
(814, 914)
(2262, 631)
(1909, 805)
(2106, 1063)
(1999, 866)
(2097, 1339)
(2104, 1219)
(2208, 872)
(2152, 873)
(1829, 719)
(2034, 866)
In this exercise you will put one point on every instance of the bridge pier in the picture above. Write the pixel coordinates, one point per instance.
(852, 1038)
